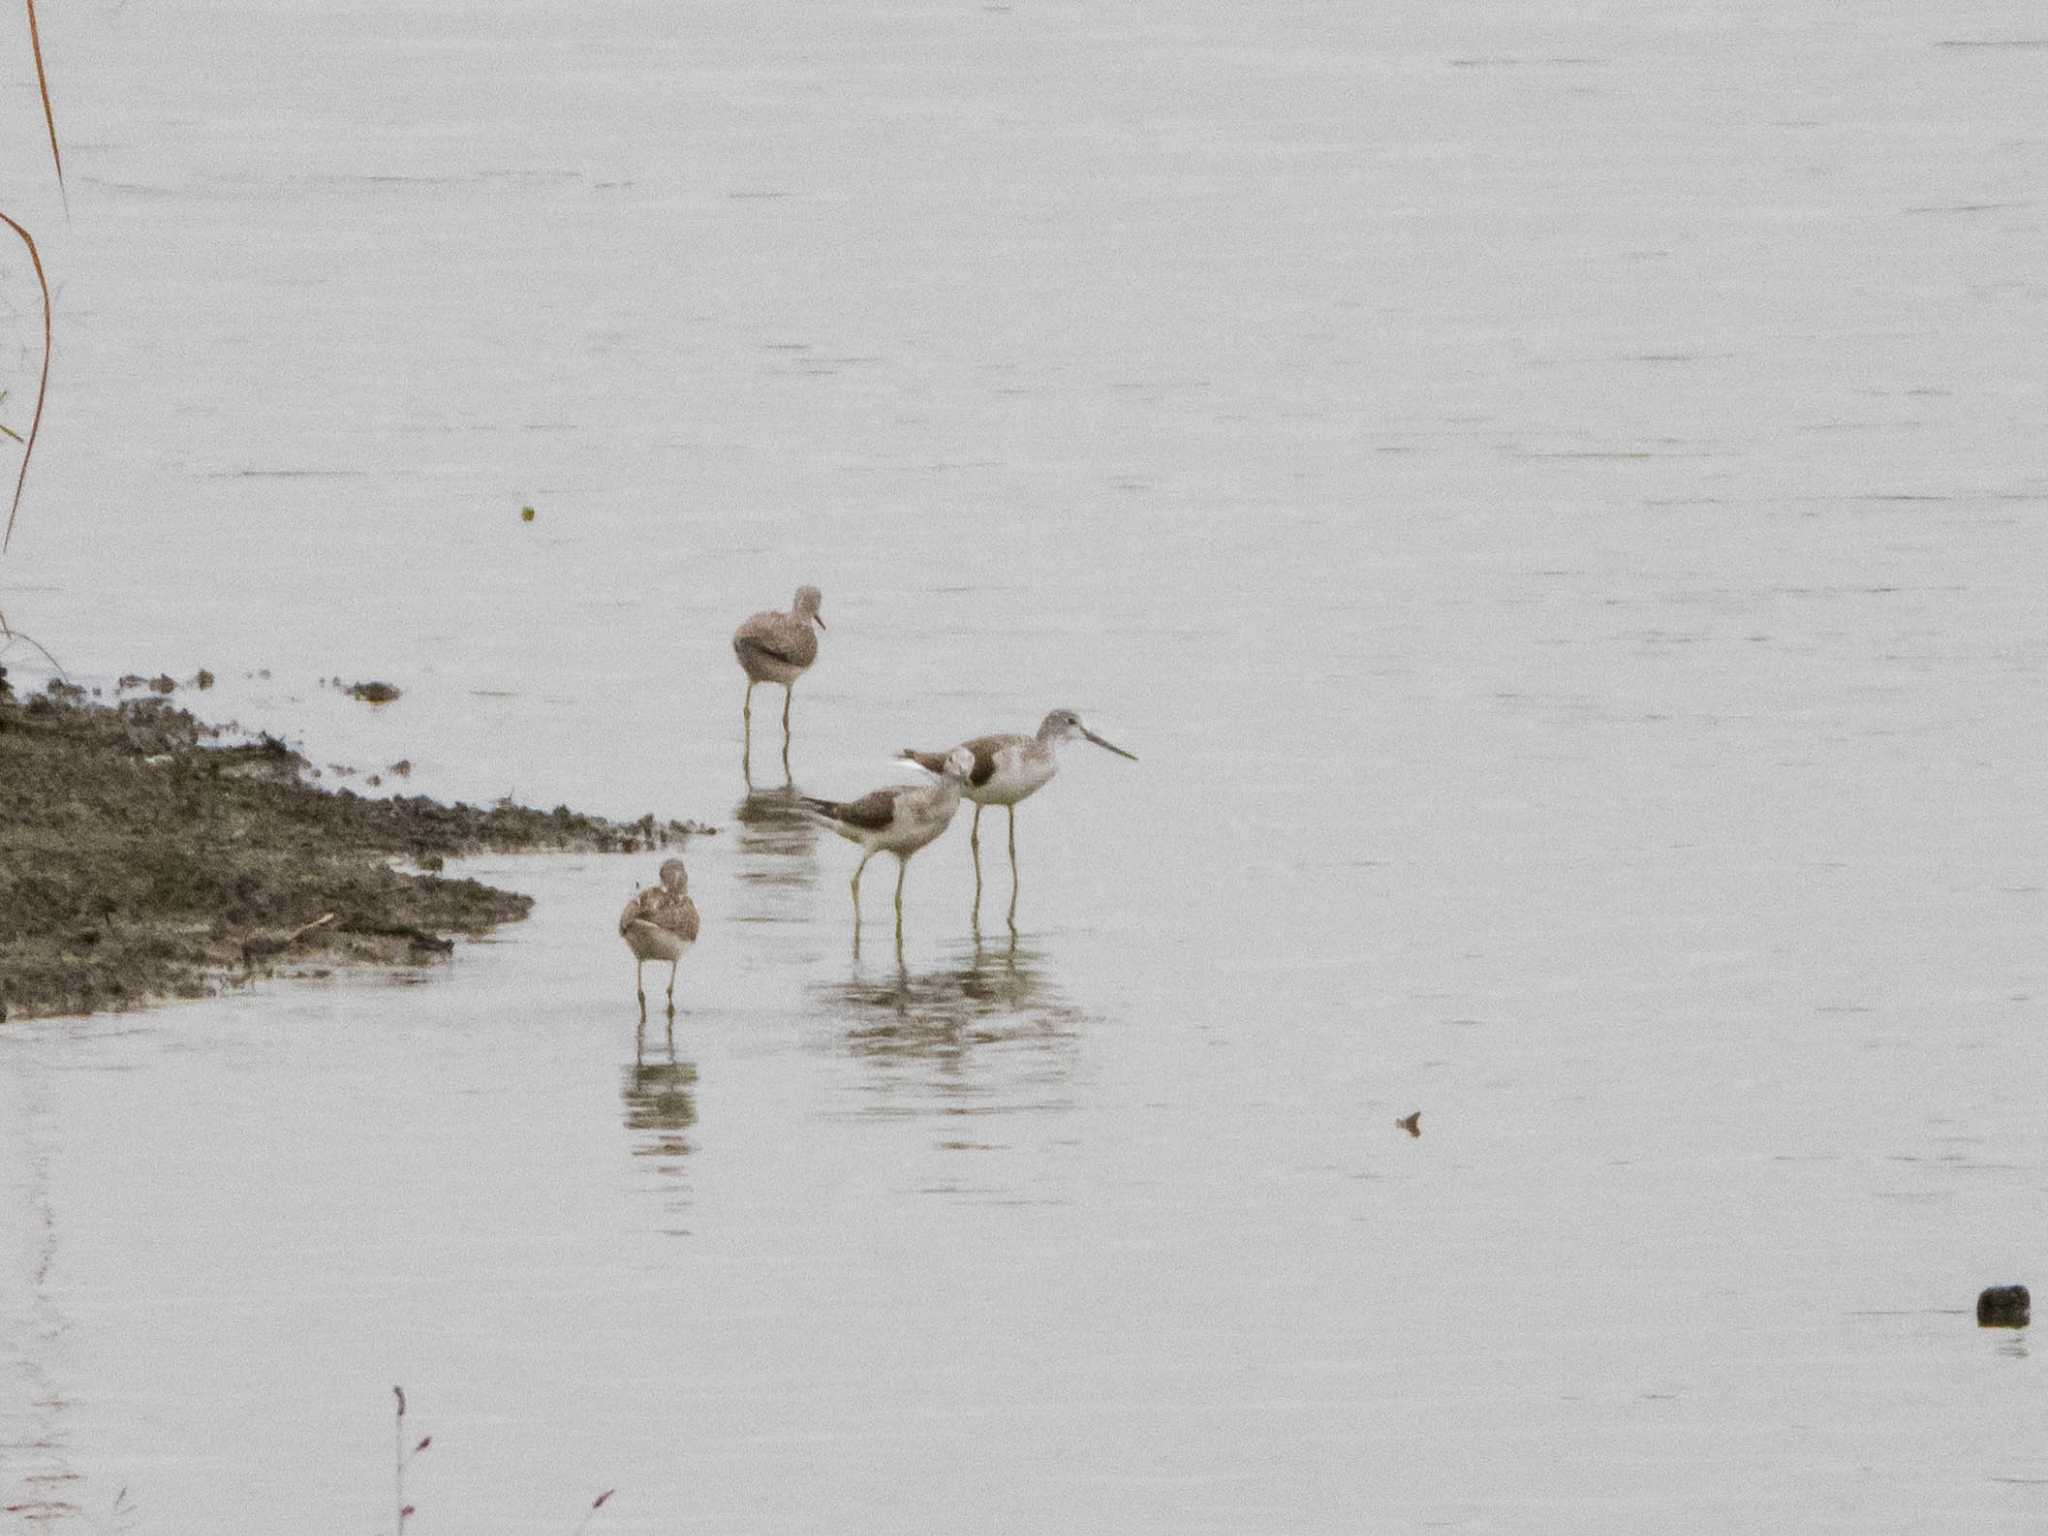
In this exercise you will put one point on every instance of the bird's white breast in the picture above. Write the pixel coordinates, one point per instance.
(1020, 772)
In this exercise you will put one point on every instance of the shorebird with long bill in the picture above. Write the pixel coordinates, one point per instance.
(899, 819)
(778, 648)
(660, 923)
(1007, 769)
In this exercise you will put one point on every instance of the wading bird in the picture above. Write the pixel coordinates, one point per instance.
(899, 819)
(777, 648)
(660, 923)
(1008, 769)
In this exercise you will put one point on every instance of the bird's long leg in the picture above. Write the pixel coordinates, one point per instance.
(747, 737)
(639, 988)
(863, 864)
(788, 693)
(1016, 879)
(974, 842)
(902, 869)
(671, 989)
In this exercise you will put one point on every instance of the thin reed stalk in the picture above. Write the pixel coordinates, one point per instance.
(35, 43)
(42, 384)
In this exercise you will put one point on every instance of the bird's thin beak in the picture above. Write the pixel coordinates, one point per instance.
(1107, 745)
(818, 619)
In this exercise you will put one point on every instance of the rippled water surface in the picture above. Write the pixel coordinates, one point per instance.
(1553, 498)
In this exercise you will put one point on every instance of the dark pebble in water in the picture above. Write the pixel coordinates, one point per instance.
(2003, 1306)
(373, 693)
(1412, 1124)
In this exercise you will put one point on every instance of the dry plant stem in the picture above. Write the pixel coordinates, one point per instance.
(35, 43)
(591, 1514)
(42, 384)
(303, 929)
(398, 1439)
(10, 634)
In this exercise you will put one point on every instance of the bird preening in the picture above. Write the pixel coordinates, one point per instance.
(660, 923)
(898, 819)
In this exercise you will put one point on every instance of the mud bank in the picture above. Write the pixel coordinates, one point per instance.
(143, 856)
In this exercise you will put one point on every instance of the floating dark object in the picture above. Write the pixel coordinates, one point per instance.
(373, 693)
(204, 679)
(163, 682)
(526, 514)
(1412, 1124)
(2003, 1306)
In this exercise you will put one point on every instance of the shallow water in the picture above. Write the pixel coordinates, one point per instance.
(1554, 503)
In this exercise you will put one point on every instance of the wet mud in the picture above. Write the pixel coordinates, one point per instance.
(147, 855)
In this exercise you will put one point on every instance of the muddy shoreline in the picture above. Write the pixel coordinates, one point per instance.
(146, 855)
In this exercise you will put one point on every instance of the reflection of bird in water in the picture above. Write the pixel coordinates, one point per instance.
(776, 648)
(989, 994)
(660, 923)
(988, 1032)
(899, 819)
(660, 1097)
(1008, 769)
(778, 838)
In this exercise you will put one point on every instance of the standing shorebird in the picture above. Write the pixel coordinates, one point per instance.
(1008, 769)
(660, 923)
(777, 648)
(900, 820)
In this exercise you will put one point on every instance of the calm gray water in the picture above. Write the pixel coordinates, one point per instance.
(1553, 497)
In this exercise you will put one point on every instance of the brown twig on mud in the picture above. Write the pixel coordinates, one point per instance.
(42, 386)
(303, 929)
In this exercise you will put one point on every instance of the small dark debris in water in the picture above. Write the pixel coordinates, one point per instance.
(1412, 1124)
(375, 781)
(57, 688)
(526, 514)
(163, 682)
(131, 680)
(341, 770)
(403, 768)
(204, 680)
(2003, 1306)
(373, 693)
